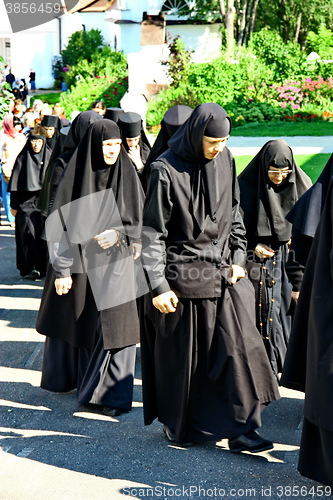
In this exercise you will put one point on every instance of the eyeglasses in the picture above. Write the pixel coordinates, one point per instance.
(278, 172)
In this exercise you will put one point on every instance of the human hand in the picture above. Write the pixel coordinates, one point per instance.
(237, 272)
(136, 249)
(134, 154)
(107, 238)
(263, 251)
(63, 285)
(13, 212)
(295, 295)
(166, 302)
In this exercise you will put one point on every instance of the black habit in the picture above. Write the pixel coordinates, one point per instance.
(265, 205)
(313, 327)
(25, 186)
(205, 370)
(98, 316)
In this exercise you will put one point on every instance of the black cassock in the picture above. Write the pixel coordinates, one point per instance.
(205, 370)
(98, 317)
(311, 352)
(25, 187)
(265, 205)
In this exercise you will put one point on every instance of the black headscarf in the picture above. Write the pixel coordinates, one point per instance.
(52, 121)
(172, 120)
(265, 204)
(187, 144)
(68, 140)
(29, 168)
(305, 215)
(87, 174)
(130, 125)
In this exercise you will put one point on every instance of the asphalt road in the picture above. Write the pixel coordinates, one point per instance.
(53, 449)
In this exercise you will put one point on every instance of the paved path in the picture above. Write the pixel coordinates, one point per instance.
(54, 449)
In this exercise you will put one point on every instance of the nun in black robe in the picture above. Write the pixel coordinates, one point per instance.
(205, 373)
(52, 125)
(97, 315)
(25, 186)
(134, 139)
(265, 199)
(172, 120)
(313, 327)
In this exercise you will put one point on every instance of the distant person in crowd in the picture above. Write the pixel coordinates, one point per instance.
(52, 126)
(10, 78)
(269, 187)
(46, 110)
(313, 327)
(172, 120)
(18, 89)
(28, 122)
(19, 108)
(92, 329)
(25, 185)
(59, 111)
(134, 139)
(11, 143)
(99, 107)
(205, 372)
(32, 80)
(37, 107)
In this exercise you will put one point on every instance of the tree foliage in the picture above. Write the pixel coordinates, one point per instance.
(82, 45)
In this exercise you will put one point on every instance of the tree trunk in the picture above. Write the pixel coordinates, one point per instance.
(227, 8)
(230, 28)
(242, 23)
(253, 15)
(298, 26)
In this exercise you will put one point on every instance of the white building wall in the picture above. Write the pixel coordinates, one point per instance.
(204, 40)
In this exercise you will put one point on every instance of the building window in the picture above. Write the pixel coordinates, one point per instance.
(172, 7)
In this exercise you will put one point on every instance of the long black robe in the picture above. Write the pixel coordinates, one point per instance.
(304, 217)
(313, 326)
(25, 186)
(204, 369)
(265, 206)
(93, 321)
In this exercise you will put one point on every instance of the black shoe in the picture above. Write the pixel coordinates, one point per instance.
(34, 275)
(251, 441)
(172, 438)
(113, 412)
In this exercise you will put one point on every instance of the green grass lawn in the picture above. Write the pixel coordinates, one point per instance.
(51, 98)
(311, 164)
(280, 129)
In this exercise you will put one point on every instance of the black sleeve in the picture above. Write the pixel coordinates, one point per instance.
(238, 232)
(156, 214)
(298, 255)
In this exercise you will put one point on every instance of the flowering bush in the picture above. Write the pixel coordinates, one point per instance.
(89, 89)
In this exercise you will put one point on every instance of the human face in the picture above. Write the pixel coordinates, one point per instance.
(37, 145)
(111, 150)
(278, 175)
(100, 111)
(132, 142)
(213, 146)
(49, 132)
